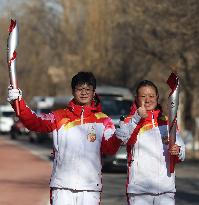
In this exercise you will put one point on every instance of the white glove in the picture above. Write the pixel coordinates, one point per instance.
(182, 154)
(123, 132)
(14, 94)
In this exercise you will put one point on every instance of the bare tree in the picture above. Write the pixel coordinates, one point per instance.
(122, 42)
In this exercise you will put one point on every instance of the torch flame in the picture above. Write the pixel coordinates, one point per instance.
(12, 25)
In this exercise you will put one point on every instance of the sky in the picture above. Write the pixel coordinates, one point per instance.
(2, 3)
(4, 6)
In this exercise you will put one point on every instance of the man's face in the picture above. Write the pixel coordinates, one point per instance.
(83, 94)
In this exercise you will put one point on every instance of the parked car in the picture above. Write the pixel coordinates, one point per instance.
(116, 102)
(117, 162)
(114, 91)
(115, 107)
(37, 136)
(6, 118)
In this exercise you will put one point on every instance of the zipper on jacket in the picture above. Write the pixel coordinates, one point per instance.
(153, 121)
(82, 116)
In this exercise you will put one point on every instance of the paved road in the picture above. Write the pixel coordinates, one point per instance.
(30, 183)
(24, 177)
(187, 185)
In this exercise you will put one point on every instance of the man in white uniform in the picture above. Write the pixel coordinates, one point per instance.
(81, 133)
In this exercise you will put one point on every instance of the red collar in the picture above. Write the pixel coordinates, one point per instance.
(153, 115)
(77, 110)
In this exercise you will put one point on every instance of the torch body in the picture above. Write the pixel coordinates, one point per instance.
(11, 55)
(173, 102)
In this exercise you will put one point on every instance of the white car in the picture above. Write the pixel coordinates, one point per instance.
(6, 118)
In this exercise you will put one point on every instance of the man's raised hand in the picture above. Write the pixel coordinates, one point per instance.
(13, 94)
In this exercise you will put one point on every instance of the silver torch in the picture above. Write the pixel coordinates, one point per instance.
(173, 101)
(11, 55)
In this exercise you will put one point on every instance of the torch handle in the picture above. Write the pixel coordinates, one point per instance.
(16, 104)
(172, 164)
(13, 83)
(172, 140)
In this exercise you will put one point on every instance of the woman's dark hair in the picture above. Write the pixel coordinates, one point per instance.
(83, 78)
(144, 83)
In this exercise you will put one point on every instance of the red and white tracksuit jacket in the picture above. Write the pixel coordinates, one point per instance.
(77, 162)
(148, 157)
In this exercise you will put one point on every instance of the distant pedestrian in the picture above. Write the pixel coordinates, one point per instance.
(81, 133)
(145, 133)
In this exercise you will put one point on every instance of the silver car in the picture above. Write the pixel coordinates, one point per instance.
(115, 107)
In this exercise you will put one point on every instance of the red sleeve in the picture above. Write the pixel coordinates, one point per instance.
(176, 160)
(34, 122)
(110, 143)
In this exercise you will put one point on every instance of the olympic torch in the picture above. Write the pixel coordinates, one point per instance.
(11, 55)
(173, 101)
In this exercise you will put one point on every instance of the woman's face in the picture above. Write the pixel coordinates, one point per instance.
(148, 95)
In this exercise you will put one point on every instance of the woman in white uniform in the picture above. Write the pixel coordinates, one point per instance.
(145, 133)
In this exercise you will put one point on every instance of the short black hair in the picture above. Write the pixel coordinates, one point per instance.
(144, 83)
(83, 78)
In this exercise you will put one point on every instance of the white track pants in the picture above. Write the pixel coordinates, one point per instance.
(70, 197)
(148, 199)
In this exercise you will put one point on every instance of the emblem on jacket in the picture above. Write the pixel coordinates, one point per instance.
(91, 137)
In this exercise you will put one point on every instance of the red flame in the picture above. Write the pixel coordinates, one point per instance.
(12, 25)
(13, 58)
(173, 81)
